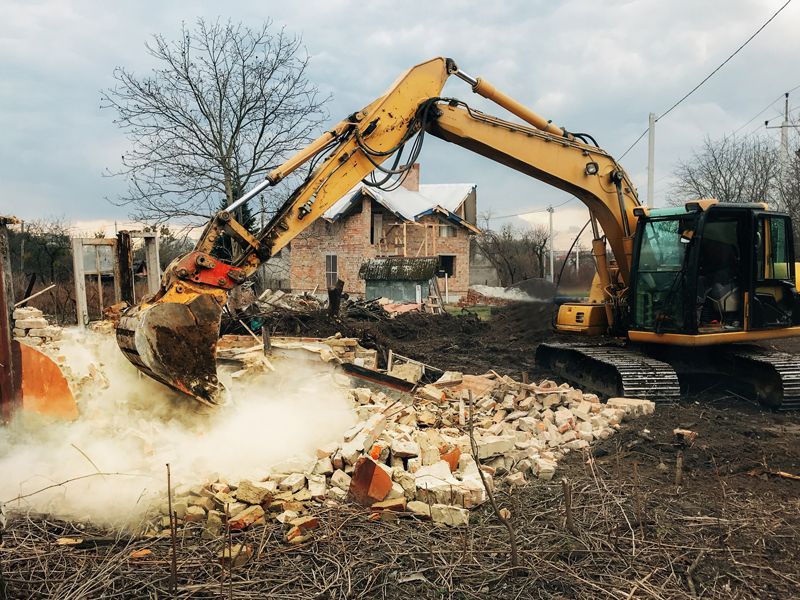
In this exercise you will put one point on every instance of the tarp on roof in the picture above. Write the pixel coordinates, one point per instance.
(399, 268)
(407, 205)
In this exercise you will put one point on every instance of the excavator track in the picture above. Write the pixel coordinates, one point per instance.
(775, 376)
(611, 370)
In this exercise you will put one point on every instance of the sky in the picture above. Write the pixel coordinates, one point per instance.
(590, 65)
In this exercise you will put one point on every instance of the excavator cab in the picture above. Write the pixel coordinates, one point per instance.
(712, 273)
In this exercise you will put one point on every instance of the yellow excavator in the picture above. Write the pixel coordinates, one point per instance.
(697, 277)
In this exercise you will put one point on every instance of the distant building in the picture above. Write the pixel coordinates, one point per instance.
(428, 220)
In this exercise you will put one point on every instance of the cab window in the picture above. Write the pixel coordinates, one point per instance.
(774, 259)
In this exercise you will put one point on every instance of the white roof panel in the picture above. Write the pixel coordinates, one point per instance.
(406, 203)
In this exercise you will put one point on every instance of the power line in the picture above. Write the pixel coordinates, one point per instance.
(530, 212)
(709, 76)
(766, 108)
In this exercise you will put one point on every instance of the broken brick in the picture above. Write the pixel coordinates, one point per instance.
(396, 504)
(369, 483)
(451, 458)
(247, 517)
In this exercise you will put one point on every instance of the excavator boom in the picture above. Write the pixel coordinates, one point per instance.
(172, 335)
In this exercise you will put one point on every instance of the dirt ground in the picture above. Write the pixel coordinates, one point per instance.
(729, 483)
(730, 530)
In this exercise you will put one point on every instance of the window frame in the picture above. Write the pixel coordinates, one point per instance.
(761, 247)
(447, 227)
(331, 270)
(452, 271)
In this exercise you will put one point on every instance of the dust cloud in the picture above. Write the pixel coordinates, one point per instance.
(130, 427)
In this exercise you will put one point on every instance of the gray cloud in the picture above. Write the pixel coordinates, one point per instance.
(592, 66)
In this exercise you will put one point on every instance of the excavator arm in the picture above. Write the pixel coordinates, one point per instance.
(172, 335)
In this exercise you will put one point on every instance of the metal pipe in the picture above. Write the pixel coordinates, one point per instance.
(488, 91)
(470, 80)
(290, 165)
(260, 187)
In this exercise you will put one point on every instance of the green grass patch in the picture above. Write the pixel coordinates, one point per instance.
(483, 311)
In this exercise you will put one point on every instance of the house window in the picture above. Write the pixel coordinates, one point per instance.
(376, 231)
(331, 270)
(447, 231)
(447, 265)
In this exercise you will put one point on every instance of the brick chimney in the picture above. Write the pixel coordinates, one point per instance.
(411, 181)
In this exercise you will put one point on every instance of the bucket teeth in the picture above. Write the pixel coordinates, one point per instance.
(175, 344)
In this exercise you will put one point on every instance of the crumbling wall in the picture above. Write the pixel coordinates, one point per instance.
(457, 246)
(348, 239)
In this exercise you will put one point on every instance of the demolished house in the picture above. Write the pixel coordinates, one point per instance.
(414, 220)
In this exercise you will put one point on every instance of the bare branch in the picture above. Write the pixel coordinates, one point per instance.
(225, 104)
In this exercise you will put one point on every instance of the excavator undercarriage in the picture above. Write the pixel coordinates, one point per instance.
(659, 373)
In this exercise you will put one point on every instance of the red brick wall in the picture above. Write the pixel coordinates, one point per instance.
(457, 246)
(349, 240)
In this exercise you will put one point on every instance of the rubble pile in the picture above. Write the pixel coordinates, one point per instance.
(414, 454)
(473, 297)
(271, 300)
(250, 354)
(31, 327)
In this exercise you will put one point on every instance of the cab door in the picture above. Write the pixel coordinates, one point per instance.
(773, 299)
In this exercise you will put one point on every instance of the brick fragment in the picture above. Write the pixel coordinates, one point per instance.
(369, 483)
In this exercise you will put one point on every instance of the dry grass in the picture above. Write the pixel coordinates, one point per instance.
(629, 542)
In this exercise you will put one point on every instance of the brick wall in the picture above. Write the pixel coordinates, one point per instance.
(349, 240)
(457, 246)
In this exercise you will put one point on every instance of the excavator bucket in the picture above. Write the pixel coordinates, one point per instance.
(44, 388)
(176, 343)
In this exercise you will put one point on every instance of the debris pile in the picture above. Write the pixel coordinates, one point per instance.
(31, 327)
(473, 297)
(250, 352)
(270, 301)
(434, 454)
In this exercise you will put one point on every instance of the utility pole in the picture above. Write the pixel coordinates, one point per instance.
(651, 153)
(784, 127)
(552, 256)
(785, 132)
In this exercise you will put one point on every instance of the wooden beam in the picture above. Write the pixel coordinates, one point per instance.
(10, 364)
(123, 269)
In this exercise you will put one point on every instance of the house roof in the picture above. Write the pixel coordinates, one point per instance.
(441, 198)
(399, 268)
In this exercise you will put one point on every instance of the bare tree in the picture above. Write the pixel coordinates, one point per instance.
(517, 254)
(42, 249)
(224, 105)
(729, 169)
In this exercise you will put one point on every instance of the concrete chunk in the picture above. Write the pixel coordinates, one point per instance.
(452, 516)
(253, 493)
(405, 448)
(292, 483)
(633, 407)
(340, 480)
(26, 312)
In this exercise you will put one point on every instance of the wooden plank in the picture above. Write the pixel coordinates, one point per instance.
(10, 373)
(81, 308)
(123, 269)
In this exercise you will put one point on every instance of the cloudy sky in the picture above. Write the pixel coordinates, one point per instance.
(591, 65)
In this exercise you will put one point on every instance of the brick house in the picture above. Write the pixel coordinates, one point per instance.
(431, 220)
